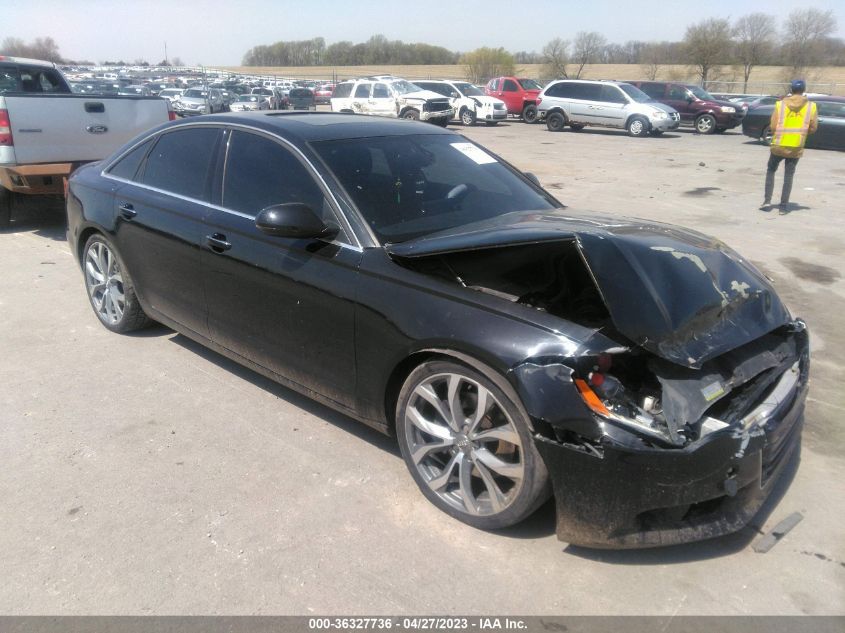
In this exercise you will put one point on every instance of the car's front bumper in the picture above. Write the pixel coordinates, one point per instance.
(618, 497)
(425, 115)
(669, 123)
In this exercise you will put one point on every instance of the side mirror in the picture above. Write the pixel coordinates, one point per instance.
(293, 219)
(454, 95)
(532, 178)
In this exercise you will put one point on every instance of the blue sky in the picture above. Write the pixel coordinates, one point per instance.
(215, 32)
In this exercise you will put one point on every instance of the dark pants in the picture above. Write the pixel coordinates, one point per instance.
(789, 171)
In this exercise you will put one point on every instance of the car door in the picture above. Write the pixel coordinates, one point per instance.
(160, 209)
(511, 95)
(361, 97)
(584, 103)
(285, 304)
(679, 98)
(831, 131)
(382, 102)
(613, 110)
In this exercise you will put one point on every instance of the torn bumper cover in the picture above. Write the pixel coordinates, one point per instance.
(618, 495)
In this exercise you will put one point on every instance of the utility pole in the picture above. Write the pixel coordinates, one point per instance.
(166, 62)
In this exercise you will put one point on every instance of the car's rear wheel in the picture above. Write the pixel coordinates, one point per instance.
(110, 289)
(705, 124)
(555, 121)
(468, 446)
(467, 117)
(638, 127)
(529, 113)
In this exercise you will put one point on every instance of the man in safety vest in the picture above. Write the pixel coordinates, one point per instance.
(794, 117)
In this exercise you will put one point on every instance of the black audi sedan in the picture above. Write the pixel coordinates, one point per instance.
(645, 375)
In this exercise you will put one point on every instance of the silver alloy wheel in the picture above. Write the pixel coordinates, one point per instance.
(704, 124)
(105, 283)
(467, 116)
(636, 127)
(464, 444)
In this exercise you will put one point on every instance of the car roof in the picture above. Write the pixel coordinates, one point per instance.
(25, 60)
(305, 127)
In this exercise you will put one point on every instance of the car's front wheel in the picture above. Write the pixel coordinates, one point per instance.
(705, 124)
(766, 136)
(638, 127)
(467, 117)
(468, 446)
(110, 289)
(411, 114)
(529, 113)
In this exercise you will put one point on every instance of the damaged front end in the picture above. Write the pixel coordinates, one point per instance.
(678, 430)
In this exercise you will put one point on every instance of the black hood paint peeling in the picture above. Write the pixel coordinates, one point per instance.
(679, 294)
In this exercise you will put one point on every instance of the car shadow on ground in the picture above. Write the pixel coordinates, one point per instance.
(702, 550)
(290, 396)
(44, 219)
(594, 131)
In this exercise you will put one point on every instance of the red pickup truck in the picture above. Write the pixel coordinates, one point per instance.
(518, 93)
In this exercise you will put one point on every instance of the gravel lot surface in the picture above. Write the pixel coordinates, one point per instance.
(145, 475)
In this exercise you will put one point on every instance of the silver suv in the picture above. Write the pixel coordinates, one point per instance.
(615, 104)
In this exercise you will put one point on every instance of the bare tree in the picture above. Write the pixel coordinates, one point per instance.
(653, 56)
(806, 33)
(753, 34)
(40, 48)
(586, 48)
(707, 44)
(555, 59)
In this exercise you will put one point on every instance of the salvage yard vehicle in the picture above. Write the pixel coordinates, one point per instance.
(469, 103)
(518, 93)
(246, 103)
(829, 135)
(301, 99)
(646, 375)
(696, 106)
(578, 103)
(391, 97)
(45, 129)
(195, 101)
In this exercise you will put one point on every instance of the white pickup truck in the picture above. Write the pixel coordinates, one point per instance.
(46, 131)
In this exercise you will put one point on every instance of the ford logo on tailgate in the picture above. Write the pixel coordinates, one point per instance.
(97, 129)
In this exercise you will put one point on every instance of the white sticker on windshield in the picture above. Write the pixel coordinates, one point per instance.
(475, 153)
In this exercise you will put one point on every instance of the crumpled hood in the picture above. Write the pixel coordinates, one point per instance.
(679, 294)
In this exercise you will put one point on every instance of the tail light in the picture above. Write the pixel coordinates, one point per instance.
(171, 115)
(5, 129)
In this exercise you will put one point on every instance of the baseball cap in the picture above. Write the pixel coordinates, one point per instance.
(798, 85)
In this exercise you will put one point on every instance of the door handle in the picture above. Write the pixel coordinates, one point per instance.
(127, 210)
(217, 242)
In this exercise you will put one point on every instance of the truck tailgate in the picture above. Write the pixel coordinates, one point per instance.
(61, 128)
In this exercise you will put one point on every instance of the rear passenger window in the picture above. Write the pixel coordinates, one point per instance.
(678, 93)
(588, 92)
(261, 173)
(380, 91)
(127, 166)
(362, 91)
(612, 94)
(342, 91)
(180, 161)
(510, 86)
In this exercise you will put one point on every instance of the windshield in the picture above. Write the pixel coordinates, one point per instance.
(635, 93)
(529, 84)
(250, 98)
(403, 87)
(469, 90)
(408, 186)
(196, 93)
(701, 93)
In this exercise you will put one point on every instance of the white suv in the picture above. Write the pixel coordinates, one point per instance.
(470, 103)
(392, 97)
(578, 102)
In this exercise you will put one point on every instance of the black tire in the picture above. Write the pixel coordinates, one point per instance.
(638, 127)
(411, 114)
(555, 121)
(491, 123)
(576, 127)
(506, 412)
(705, 124)
(467, 116)
(529, 113)
(133, 316)
(6, 199)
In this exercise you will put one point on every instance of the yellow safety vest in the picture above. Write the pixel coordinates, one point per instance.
(792, 126)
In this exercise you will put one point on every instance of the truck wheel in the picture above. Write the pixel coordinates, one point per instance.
(705, 124)
(6, 198)
(467, 116)
(529, 113)
(468, 445)
(638, 127)
(555, 122)
(411, 114)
